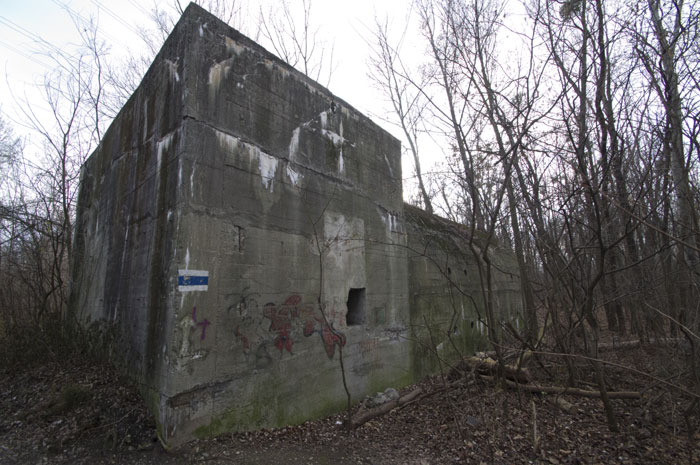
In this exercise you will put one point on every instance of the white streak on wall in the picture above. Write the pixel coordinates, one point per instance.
(272, 66)
(227, 141)
(391, 172)
(217, 73)
(391, 221)
(335, 138)
(172, 69)
(126, 241)
(179, 173)
(234, 47)
(194, 168)
(338, 141)
(335, 233)
(267, 164)
(124, 250)
(162, 146)
(294, 177)
(185, 327)
(341, 162)
(268, 168)
(294, 144)
(145, 119)
(348, 114)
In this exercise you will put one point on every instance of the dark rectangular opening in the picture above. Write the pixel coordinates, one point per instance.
(356, 307)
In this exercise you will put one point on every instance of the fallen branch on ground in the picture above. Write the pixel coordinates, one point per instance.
(677, 387)
(364, 417)
(486, 366)
(569, 390)
(620, 345)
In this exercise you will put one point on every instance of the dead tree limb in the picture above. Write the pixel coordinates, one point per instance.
(486, 366)
(621, 345)
(364, 417)
(570, 390)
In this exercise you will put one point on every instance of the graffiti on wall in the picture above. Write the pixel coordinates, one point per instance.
(370, 357)
(199, 324)
(329, 335)
(293, 314)
(242, 337)
(281, 318)
(188, 352)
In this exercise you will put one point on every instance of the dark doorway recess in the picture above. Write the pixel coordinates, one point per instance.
(356, 307)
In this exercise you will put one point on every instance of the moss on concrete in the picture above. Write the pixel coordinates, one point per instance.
(258, 415)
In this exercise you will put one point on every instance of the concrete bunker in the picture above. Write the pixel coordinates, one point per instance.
(242, 226)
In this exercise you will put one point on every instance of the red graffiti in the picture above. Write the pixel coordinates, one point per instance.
(309, 328)
(293, 300)
(241, 337)
(281, 318)
(331, 338)
(329, 335)
(284, 341)
(199, 324)
(281, 321)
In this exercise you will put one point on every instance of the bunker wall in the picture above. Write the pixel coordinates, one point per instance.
(447, 306)
(242, 226)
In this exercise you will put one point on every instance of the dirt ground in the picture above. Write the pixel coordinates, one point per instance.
(74, 412)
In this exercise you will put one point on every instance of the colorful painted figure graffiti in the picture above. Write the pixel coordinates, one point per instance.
(329, 335)
(281, 321)
(282, 316)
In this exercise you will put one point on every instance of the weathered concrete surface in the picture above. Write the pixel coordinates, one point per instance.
(447, 317)
(242, 226)
(229, 163)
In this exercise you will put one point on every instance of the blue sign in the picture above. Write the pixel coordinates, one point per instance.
(192, 280)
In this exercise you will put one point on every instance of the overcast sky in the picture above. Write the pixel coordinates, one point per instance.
(29, 28)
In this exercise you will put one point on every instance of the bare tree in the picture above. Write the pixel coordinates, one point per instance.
(492, 109)
(123, 76)
(40, 197)
(405, 97)
(665, 41)
(296, 40)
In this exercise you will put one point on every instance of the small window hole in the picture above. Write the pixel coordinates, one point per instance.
(356, 307)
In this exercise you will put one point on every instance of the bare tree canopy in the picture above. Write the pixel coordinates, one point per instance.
(570, 132)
